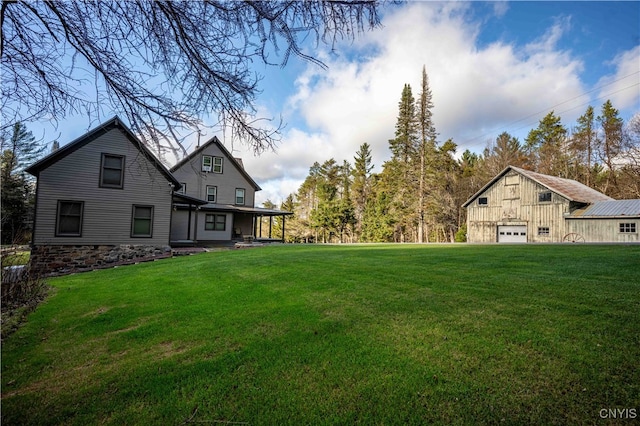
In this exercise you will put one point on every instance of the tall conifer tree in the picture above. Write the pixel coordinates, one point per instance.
(361, 183)
(400, 169)
(427, 148)
(583, 142)
(610, 145)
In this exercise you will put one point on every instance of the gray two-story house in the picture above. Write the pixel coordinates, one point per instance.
(105, 198)
(210, 173)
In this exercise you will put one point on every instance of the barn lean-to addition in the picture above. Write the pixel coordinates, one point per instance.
(523, 206)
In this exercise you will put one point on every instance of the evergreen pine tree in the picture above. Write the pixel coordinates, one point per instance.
(426, 151)
(546, 146)
(610, 145)
(583, 143)
(18, 150)
(361, 187)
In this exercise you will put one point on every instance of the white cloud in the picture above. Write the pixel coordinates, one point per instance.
(477, 92)
(623, 87)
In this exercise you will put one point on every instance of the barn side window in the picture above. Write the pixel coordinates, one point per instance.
(543, 231)
(628, 228)
(544, 197)
(483, 201)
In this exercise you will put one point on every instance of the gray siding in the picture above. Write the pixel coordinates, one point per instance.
(231, 178)
(603, 230)
(180, 225)
(513, 200)
(205, 235)
(107, 212)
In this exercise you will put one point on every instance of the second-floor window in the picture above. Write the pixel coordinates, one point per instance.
(240, 196)
(212, 193)
(112, 171)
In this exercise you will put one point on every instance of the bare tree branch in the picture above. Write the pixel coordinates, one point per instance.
(164, 65)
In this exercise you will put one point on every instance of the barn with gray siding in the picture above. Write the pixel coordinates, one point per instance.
(521, 206)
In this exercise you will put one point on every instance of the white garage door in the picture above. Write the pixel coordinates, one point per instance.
(512, 234)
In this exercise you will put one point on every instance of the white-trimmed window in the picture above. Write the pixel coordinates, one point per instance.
(207, 163)
(69, 218)
(217, 164)
(240, 192)
(112, 171)
(628, 228)
(211, 164)
(543, 231)
(215, 222)
(142, 221)
(183, 188)
(212, 193)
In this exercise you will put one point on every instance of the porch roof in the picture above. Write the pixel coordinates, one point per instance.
(230, 208)
(186, 199)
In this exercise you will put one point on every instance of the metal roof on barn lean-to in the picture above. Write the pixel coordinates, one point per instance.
(610, 209)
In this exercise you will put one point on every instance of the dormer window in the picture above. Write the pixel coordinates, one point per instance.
(544, 197)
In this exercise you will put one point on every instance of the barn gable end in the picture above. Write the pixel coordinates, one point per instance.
(523, 206)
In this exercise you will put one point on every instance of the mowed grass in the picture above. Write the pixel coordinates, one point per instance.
(371, 334)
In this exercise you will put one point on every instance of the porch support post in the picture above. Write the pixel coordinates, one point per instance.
(195, 226)
(270, 225)
(283, 216)
(189, 224)
(254, 225)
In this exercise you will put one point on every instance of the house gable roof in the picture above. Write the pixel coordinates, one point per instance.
(570, 189)
(215, 141)
(91, 135)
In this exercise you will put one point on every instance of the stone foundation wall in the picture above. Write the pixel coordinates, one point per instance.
(60, 260)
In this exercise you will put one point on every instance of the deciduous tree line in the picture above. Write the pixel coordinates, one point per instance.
(418, 195)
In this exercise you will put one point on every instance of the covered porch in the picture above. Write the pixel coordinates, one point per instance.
(198, 223)
(267, 225)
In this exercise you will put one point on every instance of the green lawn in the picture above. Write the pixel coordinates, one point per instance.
(379, 334)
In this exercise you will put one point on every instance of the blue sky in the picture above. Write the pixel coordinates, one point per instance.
(492, 67)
